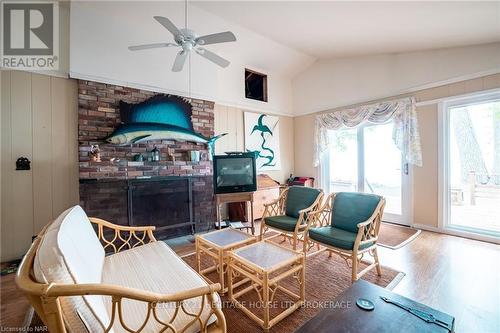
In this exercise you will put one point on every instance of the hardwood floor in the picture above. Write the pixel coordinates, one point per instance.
(452, 274)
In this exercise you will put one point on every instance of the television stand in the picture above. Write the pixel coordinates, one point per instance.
(224, 198)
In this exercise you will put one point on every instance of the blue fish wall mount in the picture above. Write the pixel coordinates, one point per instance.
(161, 117)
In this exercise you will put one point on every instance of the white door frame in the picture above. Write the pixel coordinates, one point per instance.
(444, 163)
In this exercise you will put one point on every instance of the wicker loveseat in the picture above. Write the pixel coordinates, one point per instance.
(142, 287)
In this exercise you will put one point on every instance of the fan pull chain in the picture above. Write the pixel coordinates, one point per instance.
(186, 14)
(189, 79)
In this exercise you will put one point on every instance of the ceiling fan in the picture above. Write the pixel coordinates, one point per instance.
(188, 41)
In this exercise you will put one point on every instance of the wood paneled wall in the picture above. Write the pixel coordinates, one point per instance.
(230, 120)
(38, 121)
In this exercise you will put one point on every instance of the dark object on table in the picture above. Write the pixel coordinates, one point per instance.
(301, 181)
(425, 316)
(365, 304)
(344, 316)
(23, 163)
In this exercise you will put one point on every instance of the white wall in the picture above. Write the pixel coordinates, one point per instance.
(339, 82)
(102, 31)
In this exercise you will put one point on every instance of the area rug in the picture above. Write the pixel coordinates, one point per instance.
(326, 278)
(394, 236)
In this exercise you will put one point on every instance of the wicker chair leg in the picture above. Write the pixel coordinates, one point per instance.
(375, 256)
(354, 268)
(262, 228)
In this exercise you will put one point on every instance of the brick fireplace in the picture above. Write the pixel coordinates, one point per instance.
(129, 192)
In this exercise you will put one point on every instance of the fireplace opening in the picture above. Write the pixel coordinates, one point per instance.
(165, 204)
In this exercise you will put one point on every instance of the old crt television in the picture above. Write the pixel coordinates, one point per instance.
(235, 172)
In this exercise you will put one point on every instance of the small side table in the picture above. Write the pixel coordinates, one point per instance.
(264, 265)
(223, 198)
(216, 244)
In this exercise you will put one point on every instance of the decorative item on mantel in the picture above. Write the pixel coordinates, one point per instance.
(155, 154)
(170, 154)
(195, 155)
(162, 117)
(95, 153)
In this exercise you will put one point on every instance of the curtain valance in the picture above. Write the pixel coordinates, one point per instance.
(405, 132)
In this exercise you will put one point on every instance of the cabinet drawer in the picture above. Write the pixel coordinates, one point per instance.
(262, 197)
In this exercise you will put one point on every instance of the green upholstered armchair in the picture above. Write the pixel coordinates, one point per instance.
(348, 225)
(288, 213)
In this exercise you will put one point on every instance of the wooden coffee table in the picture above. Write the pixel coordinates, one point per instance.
(345, 316)
(216, 244)
(265, 264)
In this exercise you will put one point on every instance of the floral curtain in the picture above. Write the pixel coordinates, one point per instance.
(402, 112)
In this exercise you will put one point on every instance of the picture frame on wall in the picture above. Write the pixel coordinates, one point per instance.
(262, 136)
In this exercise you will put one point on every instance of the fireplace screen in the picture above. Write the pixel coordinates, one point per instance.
(165, 204)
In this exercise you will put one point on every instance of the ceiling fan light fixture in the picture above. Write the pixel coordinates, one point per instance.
(188, 40)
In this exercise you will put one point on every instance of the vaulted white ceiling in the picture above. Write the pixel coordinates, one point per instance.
(342, 29)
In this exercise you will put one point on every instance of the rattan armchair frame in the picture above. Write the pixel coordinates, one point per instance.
(367, 234)
(278, 207)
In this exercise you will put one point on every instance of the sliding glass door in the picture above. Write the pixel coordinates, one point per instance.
(365, 159)
(471, 164)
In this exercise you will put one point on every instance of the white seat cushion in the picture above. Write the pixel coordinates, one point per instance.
(70, 253)
(154, 267)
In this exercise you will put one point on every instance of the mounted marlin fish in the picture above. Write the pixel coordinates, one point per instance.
(162, 117)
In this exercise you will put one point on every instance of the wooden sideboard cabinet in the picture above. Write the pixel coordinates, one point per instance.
(261, 197)
(267, 190)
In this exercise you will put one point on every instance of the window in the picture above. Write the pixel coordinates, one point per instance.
(255, 85)
(470, 165)
(365, 159)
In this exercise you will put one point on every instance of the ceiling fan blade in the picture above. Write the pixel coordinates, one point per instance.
(212, 57)
(179, 61)
(220, 37)
(168, 25)
(150, 46)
